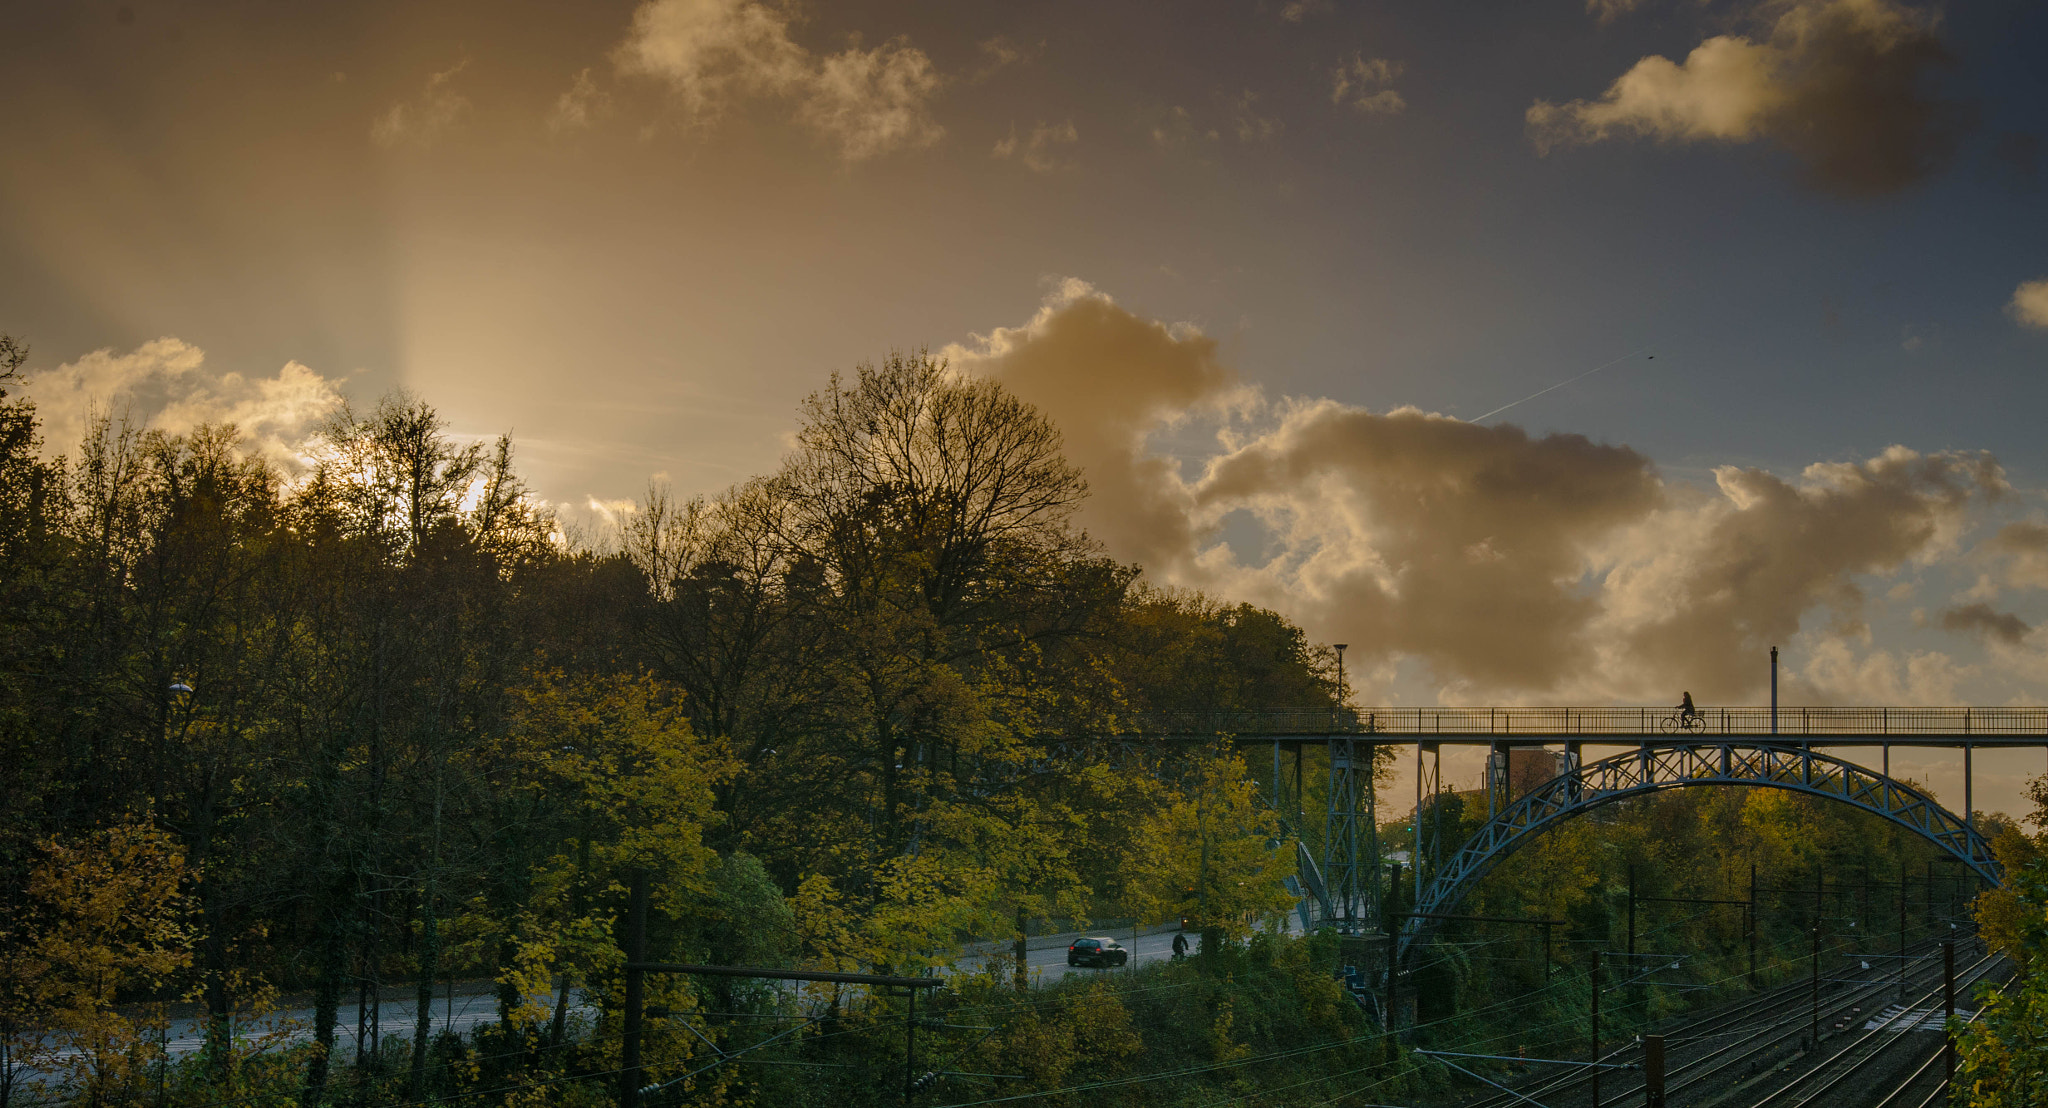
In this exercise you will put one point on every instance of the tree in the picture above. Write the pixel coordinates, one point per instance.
(109, 914)
(1209, 854)
(2004, 1053)
(593, 778)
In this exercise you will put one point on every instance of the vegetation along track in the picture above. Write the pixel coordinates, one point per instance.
(1724, 1056)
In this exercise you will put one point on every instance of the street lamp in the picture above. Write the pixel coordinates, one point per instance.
(1340, 673)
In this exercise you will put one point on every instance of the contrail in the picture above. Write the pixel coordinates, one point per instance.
(1561, 384)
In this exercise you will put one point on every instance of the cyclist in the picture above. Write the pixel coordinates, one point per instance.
(1686, 712)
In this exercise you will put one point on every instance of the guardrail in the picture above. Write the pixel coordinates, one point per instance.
(1592, 721)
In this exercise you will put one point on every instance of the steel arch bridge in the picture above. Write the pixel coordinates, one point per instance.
(1655, 767)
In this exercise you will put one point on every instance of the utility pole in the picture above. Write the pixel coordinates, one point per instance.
(1815, 1041)
(1902, 929)
(1653, 1071)
(1948, 1009)
(1752, 926)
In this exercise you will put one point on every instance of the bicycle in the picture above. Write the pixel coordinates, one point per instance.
(1693, 723)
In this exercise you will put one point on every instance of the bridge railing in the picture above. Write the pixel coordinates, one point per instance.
(1522, 721)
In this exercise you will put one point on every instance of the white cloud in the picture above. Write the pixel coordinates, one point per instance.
(420, 121)
(711, 53)
(1295, 11)
(1039, 150)
(165, 384)
(2029, 303)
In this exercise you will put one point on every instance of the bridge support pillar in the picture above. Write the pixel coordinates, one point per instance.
(1341, 871)
(1969, 803)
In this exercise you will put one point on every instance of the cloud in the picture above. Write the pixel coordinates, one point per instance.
(580, 106)
(874, 101)
(1839, 84)
(1707, 585)
(711, 53)
(1177, 128)
(1365, 84)
(1982, 619)
(165, 384)
(1834, 674)
(2029, 304)
(707, 51)
(1608, 10)
(1506, 564)
(1038, 151)
(1455, 542)
(1295, 11)
(2018, 553)
(1724, 90)
(1245, 120)
(1110, 379)
(420, 121)
(1000, 52)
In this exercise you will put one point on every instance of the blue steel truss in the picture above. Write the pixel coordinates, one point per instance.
(1659, 766)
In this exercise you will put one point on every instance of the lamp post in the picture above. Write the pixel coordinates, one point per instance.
(1340, 673)
(1774, 690)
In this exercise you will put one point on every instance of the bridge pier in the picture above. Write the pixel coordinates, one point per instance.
(1341, 874)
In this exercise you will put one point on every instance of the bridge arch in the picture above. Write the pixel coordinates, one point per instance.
(1656, 767)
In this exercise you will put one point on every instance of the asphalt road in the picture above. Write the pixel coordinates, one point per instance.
(473, 1003)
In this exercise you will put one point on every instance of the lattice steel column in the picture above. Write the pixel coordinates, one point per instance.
(1340, 833)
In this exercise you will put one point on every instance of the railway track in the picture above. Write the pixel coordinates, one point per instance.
(1925, 1087)
(1716, 1057)
(1855, 1071)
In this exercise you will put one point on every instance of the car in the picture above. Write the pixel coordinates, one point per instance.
(1101, 951)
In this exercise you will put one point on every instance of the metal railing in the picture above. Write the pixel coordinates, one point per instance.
(1591, 721)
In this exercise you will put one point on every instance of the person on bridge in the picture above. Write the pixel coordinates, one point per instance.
(1685, 708)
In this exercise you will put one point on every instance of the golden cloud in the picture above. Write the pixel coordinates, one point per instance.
(1837, 83)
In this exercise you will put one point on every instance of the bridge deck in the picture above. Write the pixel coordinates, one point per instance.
(1526, 726)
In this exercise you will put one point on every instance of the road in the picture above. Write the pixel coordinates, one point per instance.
(472, 1003)
(1047, 956)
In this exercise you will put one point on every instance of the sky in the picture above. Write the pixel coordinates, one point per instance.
(1292, 277)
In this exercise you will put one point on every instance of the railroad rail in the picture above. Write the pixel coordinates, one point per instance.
(1721, 1055)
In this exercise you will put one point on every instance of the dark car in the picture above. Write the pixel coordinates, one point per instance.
(1096, 952)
